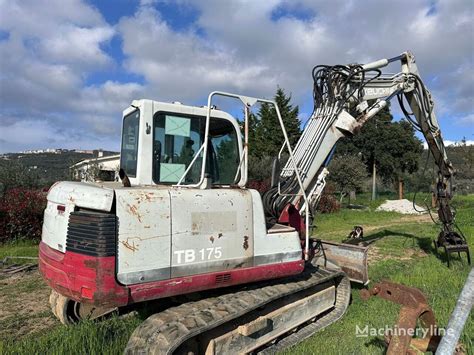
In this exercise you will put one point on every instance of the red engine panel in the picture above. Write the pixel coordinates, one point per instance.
(91, 279)
(81, 277)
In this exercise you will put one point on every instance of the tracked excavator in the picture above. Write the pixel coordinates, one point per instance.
(182, 221)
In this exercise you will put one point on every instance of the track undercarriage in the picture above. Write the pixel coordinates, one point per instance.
(259, 318)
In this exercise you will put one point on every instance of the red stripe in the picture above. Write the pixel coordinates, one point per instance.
(195, 283)
(75, 275)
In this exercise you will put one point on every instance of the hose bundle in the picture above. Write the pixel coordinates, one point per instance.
(334, 88)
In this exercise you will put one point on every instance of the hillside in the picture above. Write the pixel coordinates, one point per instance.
(48, 167)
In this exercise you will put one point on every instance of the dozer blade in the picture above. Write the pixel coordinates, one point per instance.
(352, 259)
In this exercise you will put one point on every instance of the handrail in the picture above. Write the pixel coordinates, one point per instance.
(243, 166)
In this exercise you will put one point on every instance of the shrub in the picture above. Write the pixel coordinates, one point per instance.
(21, 214)
(259, 185)
(328, 202)
(347, 173)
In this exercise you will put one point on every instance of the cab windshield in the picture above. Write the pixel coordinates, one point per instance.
(176, 140)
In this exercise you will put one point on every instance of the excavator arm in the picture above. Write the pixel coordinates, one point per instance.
(345, 98)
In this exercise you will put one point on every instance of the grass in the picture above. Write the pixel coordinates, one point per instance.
(402, 252)
(19, 248)
(106, 337)
(424, 270)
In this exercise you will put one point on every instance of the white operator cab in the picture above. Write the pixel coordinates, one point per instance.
(179, 218)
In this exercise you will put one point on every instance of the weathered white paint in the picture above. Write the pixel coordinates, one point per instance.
(144, 234)
(82, 195)
(169, 231)
(172, 232)
(213, 218)
(71, 195)
(55, 225)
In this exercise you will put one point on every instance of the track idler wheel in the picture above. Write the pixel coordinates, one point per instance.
(68, 311)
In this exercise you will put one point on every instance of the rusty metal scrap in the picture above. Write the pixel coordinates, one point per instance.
(415, 310)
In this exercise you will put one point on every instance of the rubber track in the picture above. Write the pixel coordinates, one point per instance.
(343, 296)
(164, 332)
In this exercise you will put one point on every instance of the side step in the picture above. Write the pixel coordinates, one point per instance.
(273, 314)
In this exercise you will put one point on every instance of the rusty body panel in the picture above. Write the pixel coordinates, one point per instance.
(175, 232)
(198, 218)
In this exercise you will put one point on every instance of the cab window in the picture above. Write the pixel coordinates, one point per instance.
(129, 151)
(176, 140)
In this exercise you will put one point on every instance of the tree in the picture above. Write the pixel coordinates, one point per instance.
(13, 174)
(348, 173)
(393, 146)
(265, 135)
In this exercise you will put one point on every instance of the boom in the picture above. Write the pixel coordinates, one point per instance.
(345, 98)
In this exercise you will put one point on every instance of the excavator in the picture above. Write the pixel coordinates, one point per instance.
(183, 225)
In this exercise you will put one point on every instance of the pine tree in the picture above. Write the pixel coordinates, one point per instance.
(266, 130)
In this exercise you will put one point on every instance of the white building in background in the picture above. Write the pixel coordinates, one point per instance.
(97, 169)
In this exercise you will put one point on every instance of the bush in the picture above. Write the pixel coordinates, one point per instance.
(13, 175)
(259, 185)
(328, 203)
(347, 173)
(21, 214)
(260, 169)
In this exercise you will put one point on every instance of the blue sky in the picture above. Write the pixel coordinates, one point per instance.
(69, 67)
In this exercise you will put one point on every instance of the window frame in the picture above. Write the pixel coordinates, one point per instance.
(201, 133)
(138, 141)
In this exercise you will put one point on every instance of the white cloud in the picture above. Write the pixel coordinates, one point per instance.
(49, 52)
(182, 65)
(467, 120)
(78, 45)
(41, 133)
(233, 45)
(40, 18)
(244, 50)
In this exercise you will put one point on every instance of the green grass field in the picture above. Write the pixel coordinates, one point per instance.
(402, 252)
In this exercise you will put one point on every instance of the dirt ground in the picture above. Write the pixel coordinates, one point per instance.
(24, 305)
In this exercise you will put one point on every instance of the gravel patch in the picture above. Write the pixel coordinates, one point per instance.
(401, 206)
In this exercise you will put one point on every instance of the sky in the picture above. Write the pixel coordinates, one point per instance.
(68, 68)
